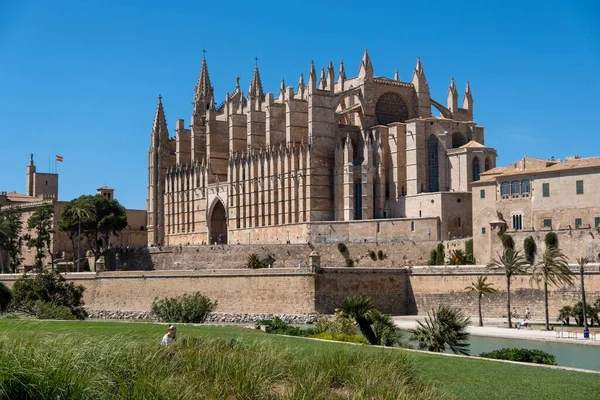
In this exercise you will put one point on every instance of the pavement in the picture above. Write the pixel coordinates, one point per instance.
(498, 327)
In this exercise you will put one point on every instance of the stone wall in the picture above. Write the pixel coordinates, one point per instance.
(398, 291)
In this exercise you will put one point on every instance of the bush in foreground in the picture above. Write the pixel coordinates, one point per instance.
(5, 297)
(189, 308)
(522, 355)
(47, 287)
(118, 368)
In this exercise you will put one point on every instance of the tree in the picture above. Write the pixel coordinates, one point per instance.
(10, 237)
(46, 288)
(551, 269)
(440, 255)
(582, 262)
(511, 263)
(480, 286)
(444, 326)
(5, 297)
(377, 328)
(469, 251)
(530, 249)
(76, 212)
(106, 217)
(41, 223)
(359, 308)
(551, 240)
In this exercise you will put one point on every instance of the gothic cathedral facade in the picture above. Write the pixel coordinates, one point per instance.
(328, 160)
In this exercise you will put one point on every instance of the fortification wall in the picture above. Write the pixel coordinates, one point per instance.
(286, 256)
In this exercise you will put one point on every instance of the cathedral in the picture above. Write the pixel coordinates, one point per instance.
(336, 158)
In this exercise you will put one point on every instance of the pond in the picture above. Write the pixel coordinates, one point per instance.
(567, 354)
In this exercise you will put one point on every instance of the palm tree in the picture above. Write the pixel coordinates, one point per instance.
(511, 263)
(480, 286)
(360, 308)
(84, 211)
(444, 326)
(551, 269)
(582, 261)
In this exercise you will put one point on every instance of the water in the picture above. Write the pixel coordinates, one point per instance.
(567, 354)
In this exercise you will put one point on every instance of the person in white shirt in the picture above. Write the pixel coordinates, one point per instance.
(169, 336)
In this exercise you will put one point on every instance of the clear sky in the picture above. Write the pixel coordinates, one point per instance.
(80, 78)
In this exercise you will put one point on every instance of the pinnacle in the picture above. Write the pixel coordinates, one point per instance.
(203, 87)
(342, 72)
(256, 89)
(396, 76)
(301, 81)
(366, 60)
(452, 85)
(159, 128)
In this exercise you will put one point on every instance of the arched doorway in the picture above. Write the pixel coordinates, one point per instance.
(218, 224)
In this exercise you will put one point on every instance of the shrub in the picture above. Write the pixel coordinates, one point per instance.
(341, 337)
(551, 240)
(469, 251)
(254, 261)
(432, 257)
(52, 311)
(5, 297)
(342, 248)
(189, 308)
(349, 262)
(444, 326)
(279, 326)
(440, 256)
(507, 241)
(522, 355)
(530, 249)
(380, 255)
(337, 324)
(47, 287)
(372, 255)
(458, 257)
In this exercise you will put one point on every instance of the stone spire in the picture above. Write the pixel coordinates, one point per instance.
(452, 97)
(282, 89)
(312, 76)
(419, 81)
(468, 99)
(322, 80)
(301, 85)
(396, 76)
(342, 72)
(204, 91)
(330, 76)
(256, 89)
(160, 133)
(366, 68)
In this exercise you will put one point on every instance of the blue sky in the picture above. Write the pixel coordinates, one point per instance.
(80, 78)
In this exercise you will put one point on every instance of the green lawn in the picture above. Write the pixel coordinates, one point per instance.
(461, 378)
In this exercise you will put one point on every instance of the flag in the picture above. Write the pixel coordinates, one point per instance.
(59, 158)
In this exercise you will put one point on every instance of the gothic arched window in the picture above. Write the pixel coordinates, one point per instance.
(475, 169)
(433, 180)
(391, 108)
(525, 187)
(458, 140)
(487, 164)
(505, 190)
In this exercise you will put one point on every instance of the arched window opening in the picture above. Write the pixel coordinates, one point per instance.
(487, 164)
(517, 222)
(505, 190)
(475, 169)
(515, 188)
(358, 199)
(218, 224)
(525, 187)
(433, 180)
(458, 140)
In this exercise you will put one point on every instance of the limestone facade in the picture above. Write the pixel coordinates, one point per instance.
(42, 190)
(336, 151)
(532, 197)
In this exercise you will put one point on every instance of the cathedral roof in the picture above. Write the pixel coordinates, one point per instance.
(472, 144)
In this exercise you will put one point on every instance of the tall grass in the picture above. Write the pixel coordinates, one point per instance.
(198, 368)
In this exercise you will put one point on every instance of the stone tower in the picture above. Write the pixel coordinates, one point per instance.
(158, 157)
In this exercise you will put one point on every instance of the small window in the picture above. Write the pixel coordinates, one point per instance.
(505, 190)
(547, 223)
(577, 223)
(597, 222)
(517, 222)
(483, 230)
(412, 226)
(579, 187)
(545, 189)
(482, 194)
(459, 222)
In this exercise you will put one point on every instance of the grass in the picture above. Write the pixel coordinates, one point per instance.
(230, 362)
